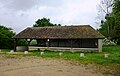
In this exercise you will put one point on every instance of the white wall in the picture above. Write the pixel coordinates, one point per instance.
(100, 45)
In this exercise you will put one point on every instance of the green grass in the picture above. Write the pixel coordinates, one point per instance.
(5, 50)
(114, 52)
(91, 57)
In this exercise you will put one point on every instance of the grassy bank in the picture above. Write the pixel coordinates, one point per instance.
(91, 57)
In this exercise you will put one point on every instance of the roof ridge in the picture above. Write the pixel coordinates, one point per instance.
(62, 26)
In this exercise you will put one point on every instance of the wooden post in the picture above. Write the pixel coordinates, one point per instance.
(48, 43)
(28, 41)
(37, 41)
(15, 44)
(71, 44)
(79, 43)
(58, 42)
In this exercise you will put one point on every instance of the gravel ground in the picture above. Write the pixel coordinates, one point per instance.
(37, 66)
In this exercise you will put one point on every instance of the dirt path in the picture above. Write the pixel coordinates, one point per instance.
(36, 66)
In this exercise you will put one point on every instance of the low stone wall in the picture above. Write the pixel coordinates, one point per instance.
(22, 48)
(65, 49)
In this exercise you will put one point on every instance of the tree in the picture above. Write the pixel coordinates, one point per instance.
(107, 26)
(104, 8)
(110, 27)
(104, 13)
(116, 15)
(44, 22)
(6, 41)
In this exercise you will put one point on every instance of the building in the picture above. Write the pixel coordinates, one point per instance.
(72, 37)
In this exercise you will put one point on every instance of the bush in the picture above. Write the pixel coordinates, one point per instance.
(6, 38)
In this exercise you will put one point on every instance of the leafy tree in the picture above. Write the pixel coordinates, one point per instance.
(44, 22)
(110, 27)
(116, 15)
(107, 26)
(6, 35)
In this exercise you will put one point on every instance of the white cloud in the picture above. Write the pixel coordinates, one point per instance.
(20, 14)
(17, 5)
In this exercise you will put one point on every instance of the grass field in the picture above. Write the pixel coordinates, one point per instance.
(105, 65)
(90, 57)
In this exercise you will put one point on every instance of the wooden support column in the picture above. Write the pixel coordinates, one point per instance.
(37, 41)
(48, 43)
(71, 44)
(79, 43)
(58, 43)
(15, 44)
(65, 42)
(28, 43)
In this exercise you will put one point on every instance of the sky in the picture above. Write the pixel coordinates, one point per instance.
(20, 14)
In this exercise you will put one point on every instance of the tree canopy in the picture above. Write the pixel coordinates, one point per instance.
(6, 35)
(44, 22)
(116, 17)
(110, 27)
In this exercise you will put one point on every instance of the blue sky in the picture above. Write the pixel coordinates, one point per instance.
(20, 14)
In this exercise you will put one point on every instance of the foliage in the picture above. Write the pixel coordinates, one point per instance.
(44, 22)
(22, 42)
(6, 35)
(111, 26)
(116, 15)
